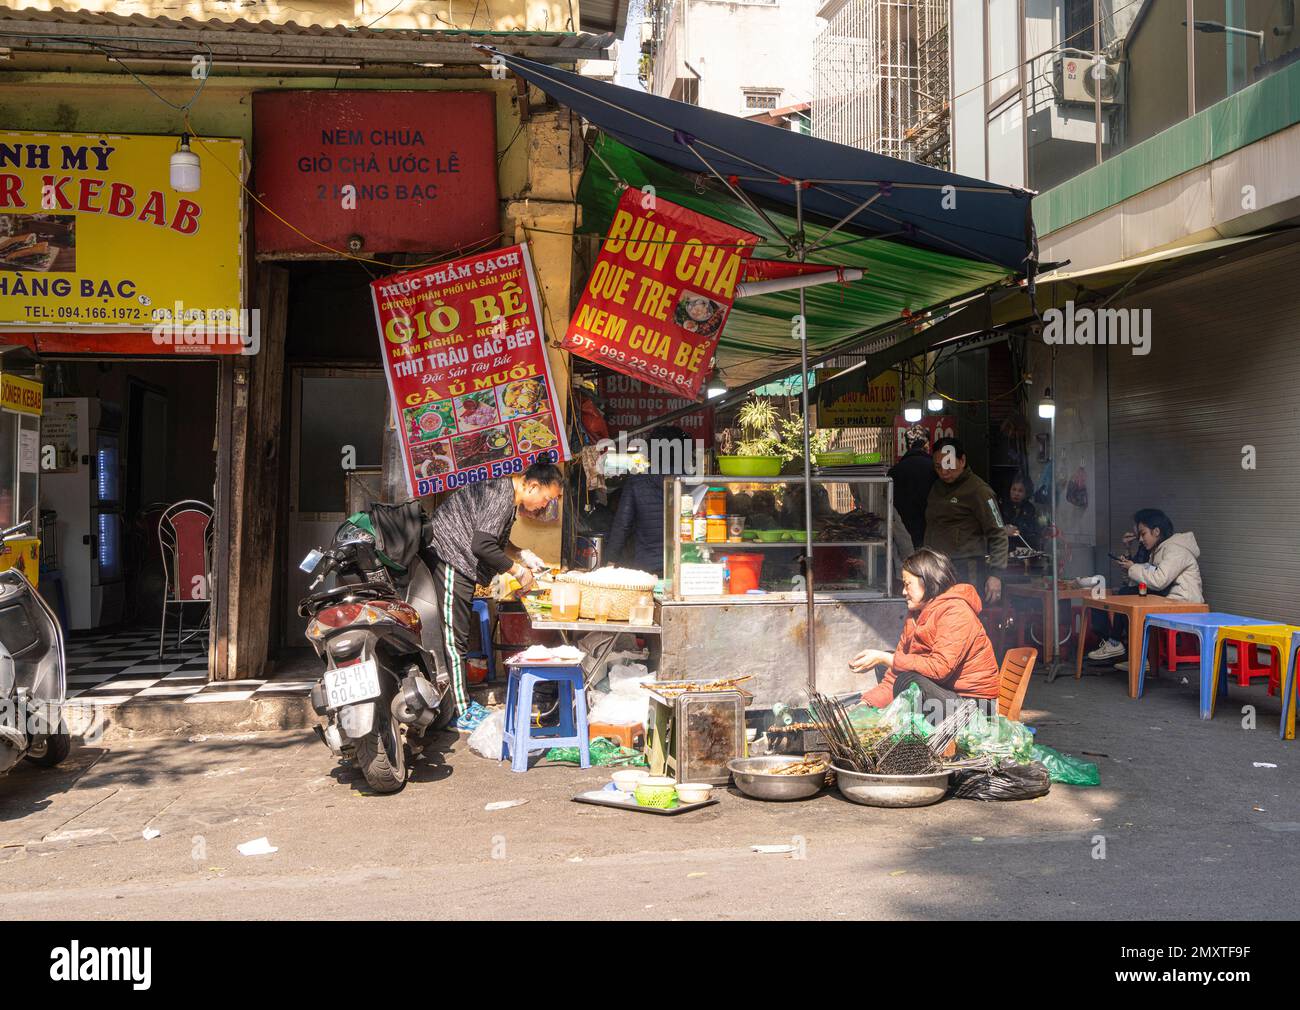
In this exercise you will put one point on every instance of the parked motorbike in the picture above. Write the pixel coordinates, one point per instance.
(375, 627)
(33, 672)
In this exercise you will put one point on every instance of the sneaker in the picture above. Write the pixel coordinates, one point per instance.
(1108, 649)
(1123, 667)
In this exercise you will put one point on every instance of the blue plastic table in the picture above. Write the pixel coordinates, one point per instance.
(1206, 629)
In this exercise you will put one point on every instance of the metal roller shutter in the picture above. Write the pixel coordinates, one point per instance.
(1221, 375)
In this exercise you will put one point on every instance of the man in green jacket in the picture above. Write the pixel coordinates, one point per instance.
(962, 520)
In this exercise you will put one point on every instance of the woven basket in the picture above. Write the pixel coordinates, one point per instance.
(621, 597)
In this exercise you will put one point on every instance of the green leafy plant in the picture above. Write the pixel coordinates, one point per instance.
(769, 431)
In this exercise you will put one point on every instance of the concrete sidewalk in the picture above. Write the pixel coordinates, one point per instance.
(1183, 825)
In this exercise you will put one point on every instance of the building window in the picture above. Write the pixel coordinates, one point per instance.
(760, 101)
(1077, 25)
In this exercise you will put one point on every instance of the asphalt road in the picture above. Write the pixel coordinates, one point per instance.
(1183, 826)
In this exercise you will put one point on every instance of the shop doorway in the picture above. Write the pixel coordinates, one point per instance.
(130, 437)
(337, 422)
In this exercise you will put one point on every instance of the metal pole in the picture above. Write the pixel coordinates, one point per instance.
(1056, 536)
(807, 464)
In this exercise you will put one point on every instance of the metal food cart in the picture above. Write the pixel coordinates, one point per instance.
(710, 631)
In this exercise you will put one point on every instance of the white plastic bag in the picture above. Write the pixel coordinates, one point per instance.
(487, 738)
(627, 678)
(621, 708)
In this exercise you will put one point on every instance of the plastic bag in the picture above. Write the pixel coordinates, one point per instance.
(627, 678)
(1063, 768)
(1008, 781)
(903, 714)
(619, 708)
(984, 737)
(603, 752)
(486, 740)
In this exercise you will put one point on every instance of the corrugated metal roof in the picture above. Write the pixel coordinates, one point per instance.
(576, 45)
(604, 15)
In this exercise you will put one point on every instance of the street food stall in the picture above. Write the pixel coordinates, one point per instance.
(735, 600)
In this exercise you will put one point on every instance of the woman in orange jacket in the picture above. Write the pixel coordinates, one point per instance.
(944, 649)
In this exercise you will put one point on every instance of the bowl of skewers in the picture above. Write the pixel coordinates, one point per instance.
(780, 777)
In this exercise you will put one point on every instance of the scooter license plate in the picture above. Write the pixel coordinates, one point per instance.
(350, 684)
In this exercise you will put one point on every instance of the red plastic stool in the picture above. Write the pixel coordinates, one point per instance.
(1168, 647)
(1246, 665)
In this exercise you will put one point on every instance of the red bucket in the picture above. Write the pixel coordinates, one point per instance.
(745, 570)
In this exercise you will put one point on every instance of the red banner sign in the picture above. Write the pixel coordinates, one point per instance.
(398, 171)
(465, 356)
(659, 294)
(936, 427)
(630, 404)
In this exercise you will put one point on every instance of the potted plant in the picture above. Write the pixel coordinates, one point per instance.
(769, 439)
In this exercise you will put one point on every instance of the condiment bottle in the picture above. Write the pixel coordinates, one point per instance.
(1142, 589)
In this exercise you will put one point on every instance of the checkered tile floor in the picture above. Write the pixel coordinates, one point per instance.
(123, 666)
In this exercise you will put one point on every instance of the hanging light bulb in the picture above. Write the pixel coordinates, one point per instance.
(1047, 406)
(184, 167)
(716, 385)
(934, 404)
(912, 411)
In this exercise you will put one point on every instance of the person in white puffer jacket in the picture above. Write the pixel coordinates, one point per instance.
(1171, 570)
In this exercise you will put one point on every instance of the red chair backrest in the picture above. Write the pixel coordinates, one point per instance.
(190, 553)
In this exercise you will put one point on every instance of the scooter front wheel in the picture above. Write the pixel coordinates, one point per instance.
(381, 755)
(49, 749)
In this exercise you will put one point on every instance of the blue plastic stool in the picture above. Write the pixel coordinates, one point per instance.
(485, 650)
(521, 737)
(1205, 627)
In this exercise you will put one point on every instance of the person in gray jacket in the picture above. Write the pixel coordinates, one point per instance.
(1171, 570)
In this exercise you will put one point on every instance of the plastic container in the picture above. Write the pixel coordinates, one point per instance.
(642, 612)
(735, 528)
(716, 532)
(745, 572)
(749, 466)
(715, 502)
(566, 602)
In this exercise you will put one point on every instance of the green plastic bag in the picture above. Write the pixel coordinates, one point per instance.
(1063, 768)
(604, 753)
(903, 714)
(1000, 738)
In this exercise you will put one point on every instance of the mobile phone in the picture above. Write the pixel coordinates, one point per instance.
(1115, 557)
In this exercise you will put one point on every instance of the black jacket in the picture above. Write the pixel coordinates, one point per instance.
(640, 518)
(913, 476)
(1023, 517)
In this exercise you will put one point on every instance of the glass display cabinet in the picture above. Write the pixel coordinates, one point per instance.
(744, 538)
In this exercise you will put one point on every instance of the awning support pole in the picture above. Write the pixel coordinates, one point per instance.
(743, 197)
(807, 464)
(844, 220)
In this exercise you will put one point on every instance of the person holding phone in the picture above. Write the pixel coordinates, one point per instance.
(1165, 561)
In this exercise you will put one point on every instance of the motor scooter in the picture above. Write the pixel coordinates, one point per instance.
(33, 671)
(382, 684)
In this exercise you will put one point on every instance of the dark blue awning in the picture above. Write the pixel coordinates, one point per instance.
(879, 196)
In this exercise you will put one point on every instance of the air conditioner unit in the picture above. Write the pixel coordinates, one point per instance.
(1081, 77)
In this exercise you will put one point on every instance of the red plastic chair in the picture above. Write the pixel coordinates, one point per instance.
(1245, 665)
(1167, 646)
(185, 536)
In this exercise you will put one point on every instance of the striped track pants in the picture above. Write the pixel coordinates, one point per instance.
(456, 602)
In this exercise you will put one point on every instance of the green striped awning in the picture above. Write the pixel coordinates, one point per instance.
(757, 339)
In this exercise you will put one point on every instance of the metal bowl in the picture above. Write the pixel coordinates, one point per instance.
(753, 779)
(892, 790)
